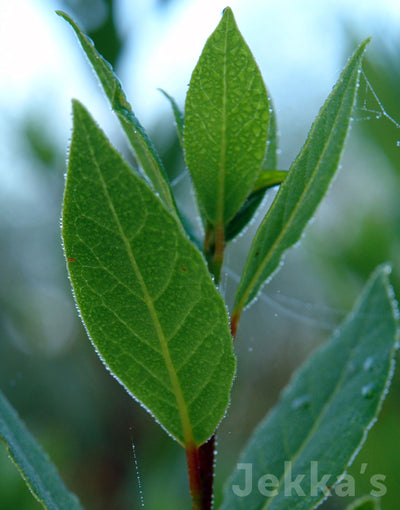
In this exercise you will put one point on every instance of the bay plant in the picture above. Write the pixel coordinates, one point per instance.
(147, 286)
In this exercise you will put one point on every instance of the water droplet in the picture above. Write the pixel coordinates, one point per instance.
(275, 315)
(302, 401)
(398, 143)
(352, 368)
(250, 349)
(369, 364)
(368, 391)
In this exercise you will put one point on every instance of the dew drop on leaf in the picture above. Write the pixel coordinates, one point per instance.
(302, 401)
(368, 391)
(369, 364)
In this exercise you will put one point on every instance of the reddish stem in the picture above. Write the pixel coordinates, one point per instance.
(200, 463)
(234, 324)
(196, 489)
(206, 457)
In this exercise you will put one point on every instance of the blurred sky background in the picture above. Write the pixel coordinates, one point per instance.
(47, 366)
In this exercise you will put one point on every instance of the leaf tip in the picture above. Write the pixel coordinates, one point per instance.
(227, 12)
(63, 15)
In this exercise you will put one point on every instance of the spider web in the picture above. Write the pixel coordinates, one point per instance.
(369, 107)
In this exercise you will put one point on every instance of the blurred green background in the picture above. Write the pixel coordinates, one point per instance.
(99, 438)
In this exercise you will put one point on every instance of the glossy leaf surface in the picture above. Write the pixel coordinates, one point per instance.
(324, 414)
(33, 463)
(304, 187)
(144, 149)
(143, 290)
(226, 122)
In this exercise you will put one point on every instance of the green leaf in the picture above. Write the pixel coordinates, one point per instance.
(304, 187)
(324, 414)
(178, 115)
(226, 122)
(33, 463)
(267, 178)
(145, 151)
(271, 156)
(143, 290)
(365, 503)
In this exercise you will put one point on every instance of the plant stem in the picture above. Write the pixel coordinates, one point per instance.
(196, 490)
(200, 462)
(234, 324)
(206, 459)
(219, 249)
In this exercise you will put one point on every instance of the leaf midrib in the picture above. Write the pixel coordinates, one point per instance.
(182, 409)
(263, 264)
(222, 160)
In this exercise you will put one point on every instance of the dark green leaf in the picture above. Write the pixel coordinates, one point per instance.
(143, 290)
(226, 123)
(144, 149)
(325, 413)
(366, 503)
(33, 463)
(306, 184)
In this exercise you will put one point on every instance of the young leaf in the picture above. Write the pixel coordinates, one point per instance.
(145, 151)
(35, 467)
(143, 290)
(271, 156)
(178, 115)
(365, 503)
(226, 122)
(304, 187)
(324, 415)
(266, 180)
